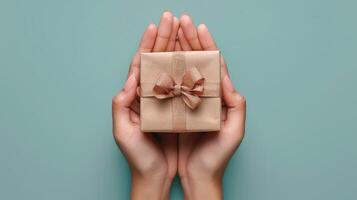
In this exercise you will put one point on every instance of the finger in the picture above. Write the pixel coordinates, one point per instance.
(146, 44)
(164, 31)
(183, 41)
(135, 106)
(205, 38)
(224, 113)
(134, 117)
(208, 44)
(236, 108)
(190, 32)
(172, 40)
(178, 46)
(224, 69)
(123, 100)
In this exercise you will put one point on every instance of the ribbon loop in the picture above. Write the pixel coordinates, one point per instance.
(190, 89)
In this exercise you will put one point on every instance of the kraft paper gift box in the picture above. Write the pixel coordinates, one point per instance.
(180, 91)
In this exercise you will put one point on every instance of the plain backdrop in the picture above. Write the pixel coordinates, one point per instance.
(61, 61)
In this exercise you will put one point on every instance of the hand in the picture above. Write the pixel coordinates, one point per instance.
(152, 158)
(203, 156)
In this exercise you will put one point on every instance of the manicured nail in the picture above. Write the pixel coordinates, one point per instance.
(228, 84)
(130, 83)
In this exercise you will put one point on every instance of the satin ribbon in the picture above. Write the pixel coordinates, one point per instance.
(190, 89)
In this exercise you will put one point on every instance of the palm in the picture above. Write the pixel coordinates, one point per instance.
(139, 144)
(157, 150)
(204, 153)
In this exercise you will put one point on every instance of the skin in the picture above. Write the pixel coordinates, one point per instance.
(198, 158)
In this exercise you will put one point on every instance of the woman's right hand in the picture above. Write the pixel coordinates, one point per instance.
(203, 157)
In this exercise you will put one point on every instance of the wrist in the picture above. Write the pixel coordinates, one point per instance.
(202, 188)
(150, 187)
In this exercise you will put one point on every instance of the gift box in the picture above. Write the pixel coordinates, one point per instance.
(180, 91)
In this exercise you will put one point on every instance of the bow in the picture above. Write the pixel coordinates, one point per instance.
(190, 89)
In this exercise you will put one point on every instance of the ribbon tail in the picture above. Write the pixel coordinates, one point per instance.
(192, 101)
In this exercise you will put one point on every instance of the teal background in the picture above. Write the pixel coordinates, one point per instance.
(62, 61)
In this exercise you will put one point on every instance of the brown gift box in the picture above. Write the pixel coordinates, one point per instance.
(180, 91)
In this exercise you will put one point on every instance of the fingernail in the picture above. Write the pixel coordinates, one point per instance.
(203, 25)
(185, 15)
(130, 83)
(151, 25)
(228, 84)
(166, 13)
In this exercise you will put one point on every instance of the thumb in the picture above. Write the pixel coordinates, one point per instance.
(236, 106)
(123, 100)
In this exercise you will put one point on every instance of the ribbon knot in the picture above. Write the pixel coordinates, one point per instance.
(190, 89)
(177, 90)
